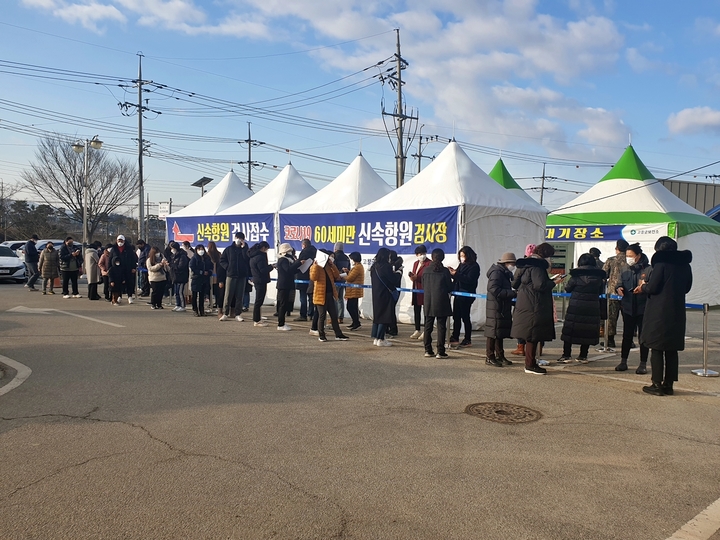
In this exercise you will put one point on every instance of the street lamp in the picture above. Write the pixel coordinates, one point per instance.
(80, 147)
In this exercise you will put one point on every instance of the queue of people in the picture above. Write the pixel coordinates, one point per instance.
(519, 304)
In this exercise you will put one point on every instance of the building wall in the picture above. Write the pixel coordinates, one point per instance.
(700, 195)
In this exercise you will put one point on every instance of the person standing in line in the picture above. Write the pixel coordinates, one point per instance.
(665, 319)
(614, 267)
(125, 252)
(419, 266)
(498, 309)
(342, 262)
(70, 264)
(260, 269)
(633, 305)
(235, 261)
(325, 296)
(533, 320)
(180, 271)
(520, 350)
(465, 279)
(215, 291)
(396, 262)
(286, 269)
(438, 287)
(157, 267)
(49, 267)
(200, 271)
(356, 276)
(582, 320)
(595, 252)
(307, 253)
(143, 250)
(32, 257)
(383, 303)
(117, 283)
(92, 271)
(104, 265)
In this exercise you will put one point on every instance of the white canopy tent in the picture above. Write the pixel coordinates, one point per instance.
(229, 191)
(492, 219)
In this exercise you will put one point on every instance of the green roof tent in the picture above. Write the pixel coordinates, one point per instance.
(503, 177)
(628, 202)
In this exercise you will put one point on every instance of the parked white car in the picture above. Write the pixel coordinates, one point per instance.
(11, 267)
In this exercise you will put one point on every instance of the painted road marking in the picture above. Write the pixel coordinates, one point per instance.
(23, 372)
(702, 526)
(46, 311)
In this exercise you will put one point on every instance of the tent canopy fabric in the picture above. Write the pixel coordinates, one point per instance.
(229, 191)
(630, 195)
(356, 186)
(286, 189)
(502, 176)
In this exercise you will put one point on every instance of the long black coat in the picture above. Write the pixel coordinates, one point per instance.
(664, 320)
(533, 320)
(498, 309)
(259, 266)
(582, 320)
(437, 285)
(381, 277)
(634, 304)
(286, 269)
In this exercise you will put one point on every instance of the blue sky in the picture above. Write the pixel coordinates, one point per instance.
(565, 82)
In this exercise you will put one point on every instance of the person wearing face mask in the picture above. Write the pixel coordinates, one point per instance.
(260, 269)
(156, 265)
(201, 268)
(419, 265)
(498, 309)
(70, 263)
(92, 271)
(325, 295)
(582, 320)
(533, 320)
(32, 258)
(104, 266)
(633, 305)
(356, 276)
(438, 286)
(49, 267)
(235, 260)
(465, 279)
(180, 272)
(117, 280)
(286, 269)
(342, 262)
(125, 252)
(614, 267)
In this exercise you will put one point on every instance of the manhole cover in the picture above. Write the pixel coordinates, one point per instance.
(504, 413)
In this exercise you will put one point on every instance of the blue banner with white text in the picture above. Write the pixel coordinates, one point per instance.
(222, 229)
(366, 232)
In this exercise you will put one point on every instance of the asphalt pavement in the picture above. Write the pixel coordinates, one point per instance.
(157, 425)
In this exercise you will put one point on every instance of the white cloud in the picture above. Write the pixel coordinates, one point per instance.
(42, 4)
(695, 120)
(88, 15)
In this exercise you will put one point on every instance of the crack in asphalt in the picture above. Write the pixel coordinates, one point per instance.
(182, 453)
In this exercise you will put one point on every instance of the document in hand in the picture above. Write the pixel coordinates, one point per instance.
(305, 266)
(321, 259)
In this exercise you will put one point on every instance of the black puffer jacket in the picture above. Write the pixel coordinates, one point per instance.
(466, 277)
(634, 304)
(235, 261)
(664, 321)
(582, 320)
(438, 286)
(533, 320)
(180, 266)
(498, 309)
(259, 266)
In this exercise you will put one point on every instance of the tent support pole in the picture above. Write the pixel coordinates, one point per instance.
(705, 372)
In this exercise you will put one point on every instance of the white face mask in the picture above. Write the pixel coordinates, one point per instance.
(158, 257)
(462, 259)
(238, 242)
(200, 252)
(174, 251)
(630, 260)
(331, 259)
(121, 244)
(512, 268)
(422, 257)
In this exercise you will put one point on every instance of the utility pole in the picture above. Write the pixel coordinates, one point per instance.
(147, 218)
(4, 211)
(542, 188)
(141, 149)
(250, 163)
(420, 155)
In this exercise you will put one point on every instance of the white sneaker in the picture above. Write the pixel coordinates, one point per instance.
(415, 335)
(261, 323)
(238, 318)
(224, 318)
(284, 328)
(130, 300)
(180, 309)
(384, 343)
(421, 336)
(375, 341)
(263, 318)
(77, 296)
(66, 296)
(314, 333)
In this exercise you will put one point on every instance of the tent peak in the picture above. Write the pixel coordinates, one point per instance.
(629, 167)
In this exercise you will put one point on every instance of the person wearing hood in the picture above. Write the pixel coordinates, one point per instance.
(614, 267)
(201, 268)
(104, 265)
(342, 262)
(287, 267)
(664, 321)
(465, 279)
(325, 295)
(49, 267)
(128, 260)
(92, 271)
(307, 309)
(117, 280)
(260, 269)
(498, 309)
(156, 266)
(533, 320)
(520, 350)
(633, 305)
(419, 266)
(582, 320)
(180, 272)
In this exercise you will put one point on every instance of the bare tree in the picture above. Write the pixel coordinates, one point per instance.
(57, 175)
(7, 192)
